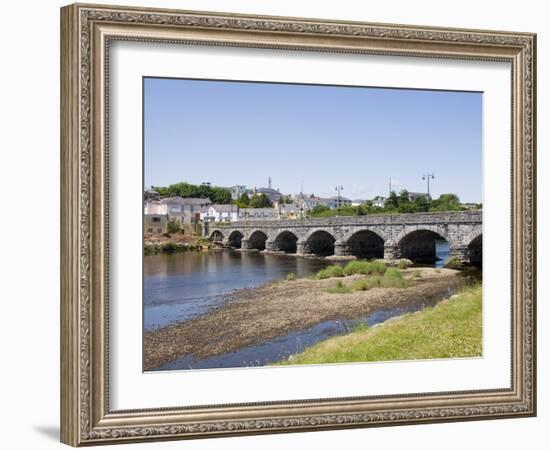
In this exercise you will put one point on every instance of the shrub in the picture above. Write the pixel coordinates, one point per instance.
(291, 276)
(339, 288)
(330, 272)
(453, 263)
(168, 247)
(364, 268)
(392, 272)
(416, 274)
(403, 264)
(394, 282)
(379, 282)
(173, 227)
(360, 285)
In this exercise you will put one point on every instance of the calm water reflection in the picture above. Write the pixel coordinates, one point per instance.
(183, 285)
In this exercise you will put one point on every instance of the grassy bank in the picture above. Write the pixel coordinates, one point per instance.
(450, 329)
(173, 244)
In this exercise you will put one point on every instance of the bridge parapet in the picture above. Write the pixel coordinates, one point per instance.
(370, 219)
(384, 235)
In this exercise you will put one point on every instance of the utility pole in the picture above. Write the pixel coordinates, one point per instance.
(427, 177)
(339, 189)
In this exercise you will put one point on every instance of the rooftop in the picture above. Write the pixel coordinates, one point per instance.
(185, 201)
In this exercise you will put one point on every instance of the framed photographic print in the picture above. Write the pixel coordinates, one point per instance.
(277, 224)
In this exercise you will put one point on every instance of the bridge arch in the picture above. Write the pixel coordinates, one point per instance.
(474, 248)
(257, 240)
(366, 244)
(419, 243)
(216, 236)
(286, 241)
(235, 239)
(474, 234)
(320, 242)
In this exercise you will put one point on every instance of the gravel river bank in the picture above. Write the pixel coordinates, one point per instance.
(261, 314)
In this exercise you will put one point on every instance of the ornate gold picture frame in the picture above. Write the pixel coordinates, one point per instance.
(87, 31)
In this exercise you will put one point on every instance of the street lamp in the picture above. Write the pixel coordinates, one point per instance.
(339, 190)
(427, 177)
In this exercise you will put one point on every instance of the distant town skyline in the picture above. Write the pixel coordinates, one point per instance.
(240, 133)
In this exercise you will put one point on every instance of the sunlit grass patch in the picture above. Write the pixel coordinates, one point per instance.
(339, 288)
(364, 268)
(333, 271)
(451, 329)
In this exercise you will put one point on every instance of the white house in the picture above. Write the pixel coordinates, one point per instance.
(182, 210)
(257, 213)
(288, 211)
(379, 201)
(221, 213)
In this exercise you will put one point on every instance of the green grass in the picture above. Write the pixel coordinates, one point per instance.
(330, 272)
(364, 268)
(402, 264)
(450, 329)
(392, 272)
(453, 263)
(417, 274)
(339, 288)
(290, 276)
(359, 267)
(378, 281)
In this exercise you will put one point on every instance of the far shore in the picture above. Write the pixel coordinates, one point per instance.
(276, 309)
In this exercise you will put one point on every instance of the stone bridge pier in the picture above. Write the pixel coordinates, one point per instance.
(412, 236)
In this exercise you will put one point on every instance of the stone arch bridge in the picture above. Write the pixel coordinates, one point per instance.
(413, 236)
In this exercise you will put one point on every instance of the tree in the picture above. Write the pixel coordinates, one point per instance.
(392, 201)
(220, 196)
(173, 227)
(243, 201)
(318, 209)
(403, 198)
(285, 199)
(422, 203)
(260, 201)
(215, 194)
(446, 202)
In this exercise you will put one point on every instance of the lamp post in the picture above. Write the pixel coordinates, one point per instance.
(339, 190)
(427, 177)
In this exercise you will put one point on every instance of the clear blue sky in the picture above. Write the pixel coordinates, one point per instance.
(231, 133)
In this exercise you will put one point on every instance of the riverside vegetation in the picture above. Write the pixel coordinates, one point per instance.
(451, 329)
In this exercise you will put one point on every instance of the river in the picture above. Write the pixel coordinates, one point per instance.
(181, 286)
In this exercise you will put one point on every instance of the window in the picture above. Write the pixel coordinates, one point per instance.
(149, 230)
(155, 219)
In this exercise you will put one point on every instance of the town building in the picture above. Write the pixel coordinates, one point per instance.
(336, 202)
(155, 223)
(221, 213)
(237, 191)
(379, 201)
(311, 201)
(272, 194)
(288, 211)
(151, 195)
(182, 210)
(470, 206)
(257, 213)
